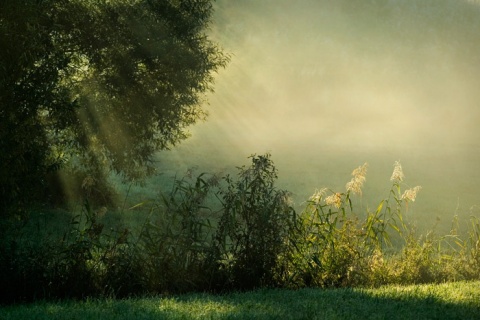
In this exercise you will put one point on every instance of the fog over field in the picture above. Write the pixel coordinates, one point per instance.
(325, 86)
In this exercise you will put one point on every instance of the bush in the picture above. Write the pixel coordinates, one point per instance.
(334, 248)
(176, 239)
(78, 264)
(254, 227)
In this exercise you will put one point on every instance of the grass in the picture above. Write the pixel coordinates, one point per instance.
(457, 300)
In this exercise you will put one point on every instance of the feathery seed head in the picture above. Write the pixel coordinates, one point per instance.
(411, 194)
(318, 195)
(397, 174)
(334, 200)
(355, 185)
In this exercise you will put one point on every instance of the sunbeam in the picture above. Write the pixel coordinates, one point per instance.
(327, 85)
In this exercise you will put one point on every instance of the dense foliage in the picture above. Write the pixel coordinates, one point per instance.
(97, 86)
(254, 227)
(212, 234)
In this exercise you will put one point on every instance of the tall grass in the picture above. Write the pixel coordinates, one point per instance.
(211, 233)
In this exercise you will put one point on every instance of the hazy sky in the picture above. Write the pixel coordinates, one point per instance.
(410, 74)
(328, 85)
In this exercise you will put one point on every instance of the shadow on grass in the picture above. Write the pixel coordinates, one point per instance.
(402, 303)
(447, 301)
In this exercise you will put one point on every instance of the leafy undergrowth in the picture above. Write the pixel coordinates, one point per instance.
(223, 234)
(458, 300)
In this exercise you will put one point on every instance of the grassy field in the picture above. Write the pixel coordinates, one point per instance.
(459, 300)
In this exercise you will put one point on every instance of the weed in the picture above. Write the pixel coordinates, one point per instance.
(175, 239)
(255, 224)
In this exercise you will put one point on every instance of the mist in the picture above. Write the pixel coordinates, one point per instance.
(325, 86)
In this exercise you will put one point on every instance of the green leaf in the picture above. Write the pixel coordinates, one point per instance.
(380, 207)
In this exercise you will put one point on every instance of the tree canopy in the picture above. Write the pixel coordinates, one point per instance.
(98, 85)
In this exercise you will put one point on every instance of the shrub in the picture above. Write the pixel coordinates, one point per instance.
(76, 265)
(254, 227)
(333, 248)
(328, 244)
(176, 238)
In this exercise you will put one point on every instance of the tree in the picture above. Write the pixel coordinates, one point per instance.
(98, 85)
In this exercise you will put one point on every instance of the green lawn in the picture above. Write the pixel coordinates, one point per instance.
(458, 300)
